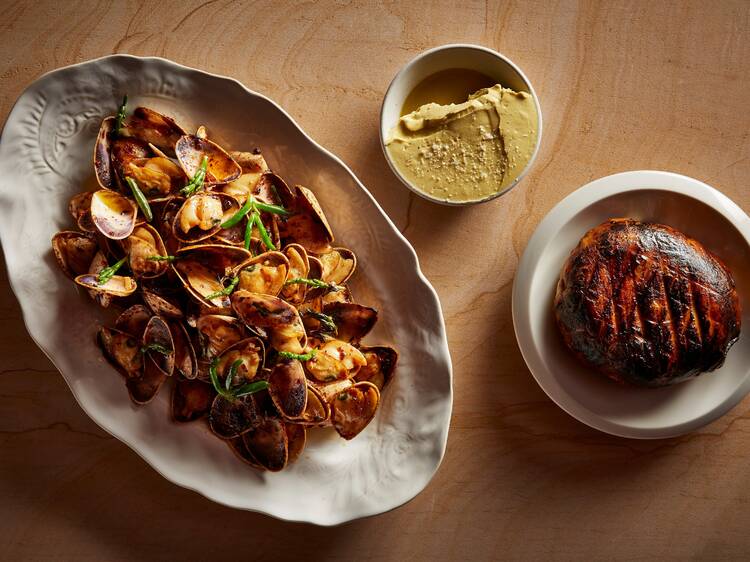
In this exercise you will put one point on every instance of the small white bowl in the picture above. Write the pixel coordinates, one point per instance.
(684, 203)
(471, 57)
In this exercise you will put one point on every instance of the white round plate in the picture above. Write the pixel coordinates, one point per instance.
(45, 158)
(678, 201)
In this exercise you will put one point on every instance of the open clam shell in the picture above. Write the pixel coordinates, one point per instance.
(202, 283)
(307, 225)
(315, 270)
(201, 216)
(381, 364)
(342, 295)
(116, 286)
(99, 262)
(144, 388)
(203, 268)
(191, 400)
(145, 242)
(318, 299)
(152, 127)
(250, 162)
(157, 333)
(317, 410)
(122, 350)
(161, 305)
(268, 443)
(158, 152)
(133, 320)
(222, 168)
(217, 333)
(299, 266)
(158, 177)
(264, 311)
(328, 391)
(335, 360)
(250, 352)
(353, 409)
(79, 208)
(123, 151)
(234, 235)
(185, 360)
(231, 418)
(237, 444)
(252, 165)
(281, 319)
(317, 327)
(74, 251)
(296, 436)
(102, 147)
(353, 321)
(339, 265)
(263, 274)
(165, 224)
(288, 388)
(273, 189)
(113, 214)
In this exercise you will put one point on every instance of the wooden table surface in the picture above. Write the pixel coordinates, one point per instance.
(623, 85)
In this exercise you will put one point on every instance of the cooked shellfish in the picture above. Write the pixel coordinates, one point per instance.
(191, 400)
(354, 408)
(335, 360)
(192, 149)
(232, 290)
(154, 128)
(74, 251)
(113, 214)
(201, 216)
(141, 247)
(264, 274)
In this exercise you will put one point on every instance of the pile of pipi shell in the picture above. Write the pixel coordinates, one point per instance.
(261, 359)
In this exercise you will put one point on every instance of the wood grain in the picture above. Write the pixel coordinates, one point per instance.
(623, 85)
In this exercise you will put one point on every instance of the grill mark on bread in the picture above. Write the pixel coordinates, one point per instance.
(615, 317)
(668, 303)
(694, 312)
(611, 299)
(637, 313)
(660, 330)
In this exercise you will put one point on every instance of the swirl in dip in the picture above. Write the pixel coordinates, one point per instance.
(466, 151)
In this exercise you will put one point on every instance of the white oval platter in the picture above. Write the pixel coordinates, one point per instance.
(45, 158)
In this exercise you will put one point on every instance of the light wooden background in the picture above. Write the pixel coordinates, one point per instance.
(623, 85)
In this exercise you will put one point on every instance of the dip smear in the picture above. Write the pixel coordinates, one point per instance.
(452, 85)
(467, 151)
